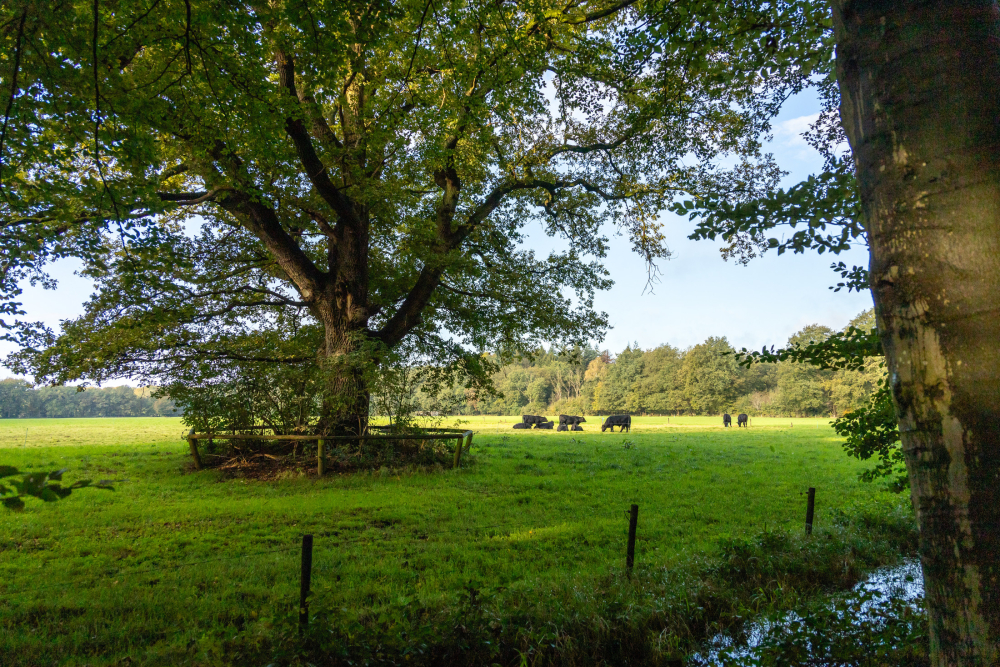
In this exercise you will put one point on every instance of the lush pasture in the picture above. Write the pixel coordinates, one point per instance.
(181, 566)
(32, 433)
(16, 433)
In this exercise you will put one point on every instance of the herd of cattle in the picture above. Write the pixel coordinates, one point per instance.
(572, 423)
(624, 422)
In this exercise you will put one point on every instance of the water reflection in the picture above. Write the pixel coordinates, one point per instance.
(879, 596)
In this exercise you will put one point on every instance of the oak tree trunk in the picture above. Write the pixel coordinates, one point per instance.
(920, 88)
(346, 397)
(343, 310)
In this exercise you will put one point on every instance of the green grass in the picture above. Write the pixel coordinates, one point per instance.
(34, 433)
(180, 566)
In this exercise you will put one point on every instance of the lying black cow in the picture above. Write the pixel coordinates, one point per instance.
(547, 425)
(742, 420)
(570, 423)
(727, 421)
(522, 425)
(622, 421)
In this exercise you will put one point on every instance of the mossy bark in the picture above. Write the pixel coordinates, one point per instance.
(920, 88)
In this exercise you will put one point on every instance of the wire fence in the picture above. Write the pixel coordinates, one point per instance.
(328, 542)
(307, 568)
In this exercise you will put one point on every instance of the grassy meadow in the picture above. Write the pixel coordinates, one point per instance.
(517, 557)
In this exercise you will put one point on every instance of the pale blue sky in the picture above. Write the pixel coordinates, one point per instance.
(698, 295)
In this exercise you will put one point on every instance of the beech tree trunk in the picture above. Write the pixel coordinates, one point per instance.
(920, 87)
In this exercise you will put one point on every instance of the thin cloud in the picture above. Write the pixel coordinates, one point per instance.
(789, 132)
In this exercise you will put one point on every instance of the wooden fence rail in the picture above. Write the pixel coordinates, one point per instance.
(463, 438)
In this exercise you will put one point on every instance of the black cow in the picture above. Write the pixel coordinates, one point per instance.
(571, 420)
(742, 420)
(522, 425)
(546, 425)
(577, 427)
(533, 420)
(727, 421)
(622, 421)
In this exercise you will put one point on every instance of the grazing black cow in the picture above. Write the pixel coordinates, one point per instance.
(533, 420)
(546, 425)
(742, 420)
(571, 420)
(522, 425)
(727, 421)
(622, 421)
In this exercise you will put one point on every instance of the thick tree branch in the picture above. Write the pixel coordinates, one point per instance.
(408, 314)
(208, 315)
(315, 169)
(589, 148)
(321, 221)
(192, 198)
(596, 16)
(471, 295)
(13, 82)
(263, 222)
(320, 128)
(173, 171)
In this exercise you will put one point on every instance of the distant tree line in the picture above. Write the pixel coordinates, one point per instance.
(19, 400)
(705, 379)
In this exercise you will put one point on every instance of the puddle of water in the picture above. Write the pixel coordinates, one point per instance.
(903, 582)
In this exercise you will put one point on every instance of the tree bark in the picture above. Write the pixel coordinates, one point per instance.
(344, 311)
(920, 90)
(347, 396)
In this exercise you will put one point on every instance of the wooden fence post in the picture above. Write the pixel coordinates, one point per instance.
(319, 457)
(193, 444)
(633, 519)
(304, 581)
(810, 507)
(458, 450)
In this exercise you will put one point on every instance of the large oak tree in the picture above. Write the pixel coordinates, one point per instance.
(364, 174)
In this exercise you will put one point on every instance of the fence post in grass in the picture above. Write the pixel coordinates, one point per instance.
(307, 562)
(458, 450)
(319, 457)
(810, 507)
(633, 519)
(193, 444)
